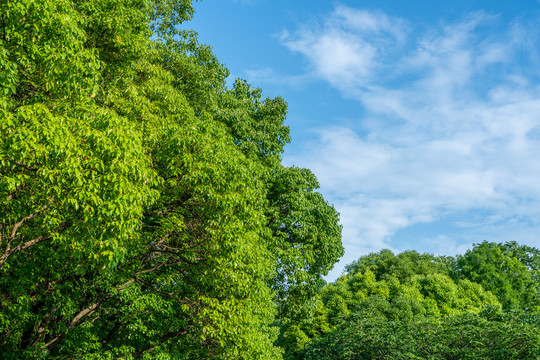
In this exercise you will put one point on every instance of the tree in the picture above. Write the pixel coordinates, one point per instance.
(144, 210)
(527, 255)
(440, 295)
(403, 265)
(469, 336)
(500, 272)
(401, 288)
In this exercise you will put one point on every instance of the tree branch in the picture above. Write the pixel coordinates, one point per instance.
(20, 164)
(85, 312)
(10, 251)
(165, 337)
(18, 225)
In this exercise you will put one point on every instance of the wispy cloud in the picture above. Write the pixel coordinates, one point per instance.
(268, 75)
(344, 50)
(452, 125)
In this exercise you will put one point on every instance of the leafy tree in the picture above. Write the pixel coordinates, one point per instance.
(144, 210)
(469, 336)
(403, 265)
(440, 295)
(528, 256)
(305, 238)
(404, 287)
(413, 305)
(500, 272)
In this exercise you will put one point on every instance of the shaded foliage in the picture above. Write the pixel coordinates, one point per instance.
(469, 336)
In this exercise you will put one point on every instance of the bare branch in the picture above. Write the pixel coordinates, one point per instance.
(87, 311)
(10, 251)
(18, 225)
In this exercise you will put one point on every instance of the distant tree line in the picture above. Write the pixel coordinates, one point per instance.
(484, 304)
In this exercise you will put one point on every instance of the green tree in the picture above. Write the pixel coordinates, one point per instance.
(440, 295)
(403, 265)
(144, 210)
(469, 336)
(401, 288)
(500, 272)
(527, 255)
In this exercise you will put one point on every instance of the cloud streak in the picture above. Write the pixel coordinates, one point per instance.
(343, 51)
(451, 128)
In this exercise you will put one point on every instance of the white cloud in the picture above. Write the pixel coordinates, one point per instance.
(344, 50)
(363, 21)
(453, 124)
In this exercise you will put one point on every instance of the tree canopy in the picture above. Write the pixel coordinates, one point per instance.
(483, 304)
(508, 270)
(468, 336)
(144, 209)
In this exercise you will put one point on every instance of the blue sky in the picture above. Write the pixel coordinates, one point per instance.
(420, 119)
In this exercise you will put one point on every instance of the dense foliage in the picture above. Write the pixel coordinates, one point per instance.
(144, 209)
(468, 336)
(483, 304)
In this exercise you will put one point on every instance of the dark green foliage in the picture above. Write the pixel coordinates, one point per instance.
(469, 336)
